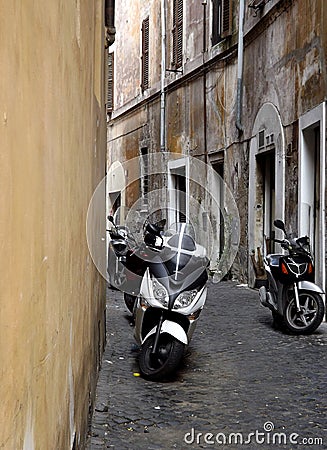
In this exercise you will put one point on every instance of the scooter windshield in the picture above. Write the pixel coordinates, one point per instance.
(180, 241)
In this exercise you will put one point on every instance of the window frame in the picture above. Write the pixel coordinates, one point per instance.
(222, 20)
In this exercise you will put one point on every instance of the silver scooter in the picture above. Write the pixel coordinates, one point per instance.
(290, 293)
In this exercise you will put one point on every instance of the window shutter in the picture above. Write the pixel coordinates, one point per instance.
(215, 38)
(110, 89)
(145, 54)
(177, 33)
(226, 20)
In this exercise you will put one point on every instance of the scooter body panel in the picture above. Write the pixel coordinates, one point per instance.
(172, 328)
(309, 286)
(147, 300)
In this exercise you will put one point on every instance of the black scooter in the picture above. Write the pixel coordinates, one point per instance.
(290, 293)
(128, 260)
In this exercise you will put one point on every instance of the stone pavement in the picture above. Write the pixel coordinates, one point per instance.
(241, 381)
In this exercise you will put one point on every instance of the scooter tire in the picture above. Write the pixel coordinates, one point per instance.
(156, 368)
(293, 324)
(130, 301)
(278, 321)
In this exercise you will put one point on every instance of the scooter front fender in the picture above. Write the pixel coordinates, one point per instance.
(309, 286)
(172, 328)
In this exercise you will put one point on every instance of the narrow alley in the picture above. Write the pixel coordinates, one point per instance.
(242, 382)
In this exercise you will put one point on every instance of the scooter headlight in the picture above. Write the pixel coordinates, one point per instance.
(160, 292)
(185, 299)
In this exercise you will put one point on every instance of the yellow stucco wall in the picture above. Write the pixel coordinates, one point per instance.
(52, 149)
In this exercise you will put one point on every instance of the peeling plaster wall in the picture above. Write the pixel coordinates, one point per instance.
(129, 16)
(284, 64)
(52, 134)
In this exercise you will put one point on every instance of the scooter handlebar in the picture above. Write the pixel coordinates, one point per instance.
(284, 243)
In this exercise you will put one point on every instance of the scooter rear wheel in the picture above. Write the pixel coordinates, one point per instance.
(278, 321)
(130, 301)
(311, 315)
(165, 361)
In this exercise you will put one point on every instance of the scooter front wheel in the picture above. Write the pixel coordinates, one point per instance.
(165, 361)
(309, 318)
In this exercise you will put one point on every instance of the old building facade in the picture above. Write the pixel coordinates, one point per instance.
(53, 146)
(239, 84)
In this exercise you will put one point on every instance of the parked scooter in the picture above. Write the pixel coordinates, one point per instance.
(164, 282)
(120, 246)
(172, 294)
(295, 301)
(127, 259)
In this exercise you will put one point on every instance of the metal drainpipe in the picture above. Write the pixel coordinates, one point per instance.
(204, 3)
(110, 21)
(238, 122)
(163, 75)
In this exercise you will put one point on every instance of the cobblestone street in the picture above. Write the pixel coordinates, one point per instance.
(239, 375)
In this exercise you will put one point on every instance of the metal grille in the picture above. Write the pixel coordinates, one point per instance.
(110, 90)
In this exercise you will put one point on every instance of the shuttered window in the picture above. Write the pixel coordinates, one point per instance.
(177, 33)
(145, 54)
(221, 20)
(110, 86)
(226, 26)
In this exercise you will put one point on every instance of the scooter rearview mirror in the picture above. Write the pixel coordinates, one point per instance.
(280, 224)
(111, 219)
(161, 224)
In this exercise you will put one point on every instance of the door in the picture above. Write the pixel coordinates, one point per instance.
(267, 196)
(312, 185)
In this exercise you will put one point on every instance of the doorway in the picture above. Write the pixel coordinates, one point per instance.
(267, 197)
(178, 190)
(311, 212)
(218, 167)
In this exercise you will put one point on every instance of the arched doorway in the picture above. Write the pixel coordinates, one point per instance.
(266, 181)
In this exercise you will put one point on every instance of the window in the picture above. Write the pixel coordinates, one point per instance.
(177, 34)
(110, 87)
(145, 54)
(221, 20)
(261, 139)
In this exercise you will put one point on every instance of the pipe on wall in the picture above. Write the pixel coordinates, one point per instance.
(163, 76)
(239, 96)
(204, 49)
(110, 21)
